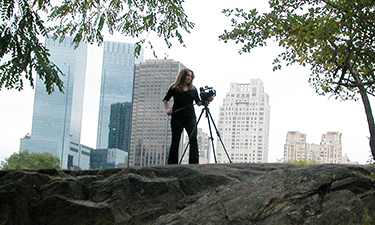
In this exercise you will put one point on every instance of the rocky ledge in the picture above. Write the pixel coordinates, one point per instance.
(190, 194)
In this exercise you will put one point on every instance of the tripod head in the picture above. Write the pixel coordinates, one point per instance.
(205, 103)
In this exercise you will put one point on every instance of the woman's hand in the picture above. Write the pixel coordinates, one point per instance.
(169, 111)
(209, 100)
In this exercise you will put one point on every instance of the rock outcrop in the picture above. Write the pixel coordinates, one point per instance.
(190, 194)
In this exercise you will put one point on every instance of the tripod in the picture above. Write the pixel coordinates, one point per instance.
(209, 117)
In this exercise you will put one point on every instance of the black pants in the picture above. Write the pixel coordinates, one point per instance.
(177, 125)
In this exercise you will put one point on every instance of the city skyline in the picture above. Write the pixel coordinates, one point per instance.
(327, 151)
(294, 104)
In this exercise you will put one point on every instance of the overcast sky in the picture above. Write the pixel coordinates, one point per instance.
(294, 104)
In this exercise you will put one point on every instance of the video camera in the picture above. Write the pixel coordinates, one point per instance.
(206, 94)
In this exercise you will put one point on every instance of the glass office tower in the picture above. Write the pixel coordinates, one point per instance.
(116, 83)
(56, 125)
(150, 130)
(119, 126)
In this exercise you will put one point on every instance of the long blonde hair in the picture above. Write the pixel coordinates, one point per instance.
(180, 79)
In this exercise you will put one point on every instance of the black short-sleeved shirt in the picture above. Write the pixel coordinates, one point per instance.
(183, 101)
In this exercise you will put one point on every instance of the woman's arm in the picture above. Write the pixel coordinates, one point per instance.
(166, 105)
(166, 100)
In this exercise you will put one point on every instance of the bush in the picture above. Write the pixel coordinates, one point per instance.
(35, 160)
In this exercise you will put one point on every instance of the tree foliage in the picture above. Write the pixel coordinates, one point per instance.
(86, 21)
(25, 160)
(19, 30)
(336, 38)
(302, 162)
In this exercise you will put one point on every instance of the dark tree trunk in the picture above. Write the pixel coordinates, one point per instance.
(368, 111)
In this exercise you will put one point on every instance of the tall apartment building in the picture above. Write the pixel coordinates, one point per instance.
(244, 124)
(295, 146)
(116, 83)
(56, 125)
(328, 151)
(331, 148)
(150, 130)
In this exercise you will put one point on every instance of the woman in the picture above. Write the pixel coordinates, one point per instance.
(183, 115)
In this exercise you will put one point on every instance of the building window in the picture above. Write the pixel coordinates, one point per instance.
(254, 92)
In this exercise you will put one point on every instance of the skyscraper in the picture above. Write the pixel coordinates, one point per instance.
(150, 130)
(56, 125)
(244, 124)
(116, 83)
(119, 126)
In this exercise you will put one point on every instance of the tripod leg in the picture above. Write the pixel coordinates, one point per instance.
(218, 135)
(212, 140)
(195, 127)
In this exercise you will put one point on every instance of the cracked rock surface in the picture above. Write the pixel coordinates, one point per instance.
(191, 194)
